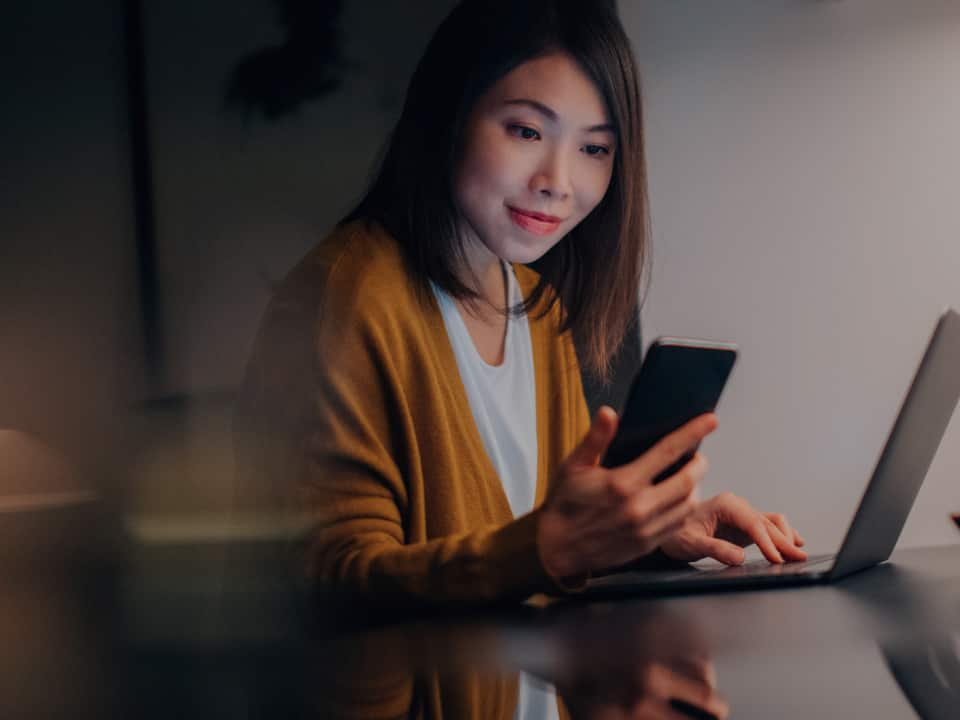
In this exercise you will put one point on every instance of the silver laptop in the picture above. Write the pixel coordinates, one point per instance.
(886, 503)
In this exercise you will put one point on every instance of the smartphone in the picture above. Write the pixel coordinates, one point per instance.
(680, 379)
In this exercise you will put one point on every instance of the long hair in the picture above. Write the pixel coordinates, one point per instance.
(595, 271)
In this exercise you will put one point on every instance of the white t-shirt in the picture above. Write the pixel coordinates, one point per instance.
(504, 405)
(502, 398)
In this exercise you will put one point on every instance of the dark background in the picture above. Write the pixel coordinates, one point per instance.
(163, 165)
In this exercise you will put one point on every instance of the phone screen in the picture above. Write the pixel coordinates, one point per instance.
(679, 380)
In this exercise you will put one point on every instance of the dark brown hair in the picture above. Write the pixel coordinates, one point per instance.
(595, 271)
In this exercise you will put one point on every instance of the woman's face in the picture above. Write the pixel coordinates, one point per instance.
(537, 158)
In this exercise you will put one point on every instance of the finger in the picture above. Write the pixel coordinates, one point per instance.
(656, 510)
(671, 448)
(684, 481)
(682, 692)
(726, 552)
(760, 534)
(709, 673)
(783, 543)
(784, 526)
(678, 487)
(697, 668)
(642, 540)
(666, 523)
(737, 513)
(598, 438)
(797, 537)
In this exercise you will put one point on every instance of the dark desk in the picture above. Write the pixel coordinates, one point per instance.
(855, 649)
(190, 632)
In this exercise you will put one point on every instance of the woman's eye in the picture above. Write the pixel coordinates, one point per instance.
(523, 132)
(596, 150)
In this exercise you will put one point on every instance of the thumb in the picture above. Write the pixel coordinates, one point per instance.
(597, 439)
(722, 550)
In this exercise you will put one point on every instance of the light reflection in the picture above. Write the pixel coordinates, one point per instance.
(585, 662)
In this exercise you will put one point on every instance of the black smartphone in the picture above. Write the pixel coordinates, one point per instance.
(680, 379)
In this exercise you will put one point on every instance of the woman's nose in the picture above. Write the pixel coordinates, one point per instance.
(552, 179)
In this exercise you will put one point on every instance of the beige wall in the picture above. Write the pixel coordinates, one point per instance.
(803, 173)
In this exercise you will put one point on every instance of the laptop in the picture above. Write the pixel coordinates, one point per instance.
(876, 526)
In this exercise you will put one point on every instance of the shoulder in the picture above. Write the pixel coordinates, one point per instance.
(348, 307)
(359, 270)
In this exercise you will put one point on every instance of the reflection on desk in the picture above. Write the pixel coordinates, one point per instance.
(927, 668)
(210, 630)
(601, 663)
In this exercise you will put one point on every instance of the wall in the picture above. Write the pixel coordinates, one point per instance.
(69, 345)
(803, 160)
(240, 199)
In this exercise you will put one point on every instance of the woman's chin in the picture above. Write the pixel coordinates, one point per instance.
(530, 249)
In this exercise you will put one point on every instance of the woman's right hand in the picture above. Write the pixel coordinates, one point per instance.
(595, 517)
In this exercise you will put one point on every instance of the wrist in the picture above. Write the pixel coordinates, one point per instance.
(557, 561)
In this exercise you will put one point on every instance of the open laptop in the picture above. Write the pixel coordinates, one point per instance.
(886, 503)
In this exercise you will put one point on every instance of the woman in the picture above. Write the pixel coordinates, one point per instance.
(425, 390)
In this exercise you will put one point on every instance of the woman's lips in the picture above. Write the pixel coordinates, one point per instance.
(535, 223)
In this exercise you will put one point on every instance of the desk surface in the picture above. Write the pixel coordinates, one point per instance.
(178, 635)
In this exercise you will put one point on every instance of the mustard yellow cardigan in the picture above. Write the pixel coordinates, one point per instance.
(353, 404)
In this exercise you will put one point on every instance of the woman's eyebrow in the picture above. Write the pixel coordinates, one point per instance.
(551, 114)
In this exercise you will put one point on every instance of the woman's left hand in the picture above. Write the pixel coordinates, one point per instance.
(723, 525)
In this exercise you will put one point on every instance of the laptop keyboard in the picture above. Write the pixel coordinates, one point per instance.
(714, 572)
(765, 567)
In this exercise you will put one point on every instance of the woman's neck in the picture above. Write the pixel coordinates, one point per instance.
(484, 275)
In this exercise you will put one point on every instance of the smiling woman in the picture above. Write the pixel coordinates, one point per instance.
(414, 383)
(546, 83)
